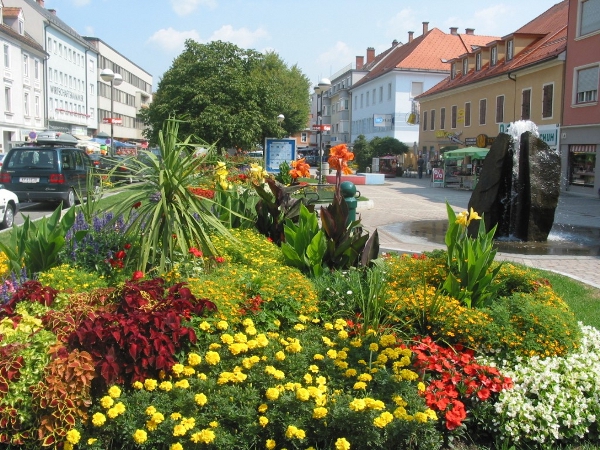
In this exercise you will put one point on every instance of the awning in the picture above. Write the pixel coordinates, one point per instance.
(82, 137)
(473, 152)
(585, 148)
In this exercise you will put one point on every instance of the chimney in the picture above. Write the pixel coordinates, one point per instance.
(425, 27)
(394, 43)
(370, 54)
(410, 36)
(470, 31)
(41, 3)
(53, 11)
(360, 62)
(454, 30)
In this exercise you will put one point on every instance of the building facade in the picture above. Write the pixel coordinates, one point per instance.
(22, 105)
(70, 70)
(517, 77)
(128, 99)
(383, 101)
(580, 130)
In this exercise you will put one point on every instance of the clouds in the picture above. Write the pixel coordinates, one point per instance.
(242, 37)
(185, 7)
(171, 40)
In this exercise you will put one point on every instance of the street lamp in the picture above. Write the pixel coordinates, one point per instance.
(322, 87)
(280, 118)
(114, 79)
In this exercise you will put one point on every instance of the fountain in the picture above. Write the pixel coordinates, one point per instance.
(519, 186)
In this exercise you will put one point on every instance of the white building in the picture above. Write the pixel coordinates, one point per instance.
(22, 105)
(383, 100)
(70, 68)
(132, 95)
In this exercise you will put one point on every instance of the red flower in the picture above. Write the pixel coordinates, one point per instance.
(136, 205)
(127, 246)
(120, 254)
(219, 259)
(137, 275)
(197, 253)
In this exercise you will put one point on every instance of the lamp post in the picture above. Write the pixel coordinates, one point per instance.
(114, 79)
(280, 119)
(322, 87)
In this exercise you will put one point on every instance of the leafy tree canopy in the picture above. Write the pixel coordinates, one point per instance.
(230, 96)
(364, 151)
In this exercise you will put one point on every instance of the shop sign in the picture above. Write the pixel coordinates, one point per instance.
(471, 142)
(324, 127)
(437, 175)
(548, 133)
(382, 120)
(113, 120)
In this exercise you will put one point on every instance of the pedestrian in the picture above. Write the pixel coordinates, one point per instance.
(420, 166)
(428, 168)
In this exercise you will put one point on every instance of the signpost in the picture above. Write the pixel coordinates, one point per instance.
(437, 175)
(278, 151)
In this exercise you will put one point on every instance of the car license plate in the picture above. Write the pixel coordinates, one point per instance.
(29, 180)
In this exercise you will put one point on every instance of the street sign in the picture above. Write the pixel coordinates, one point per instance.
(323, 127)
(113, 120)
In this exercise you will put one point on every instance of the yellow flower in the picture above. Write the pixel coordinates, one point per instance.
(150, 384)
(183, 384)
(91, 441)
(158, 417)
(473, 216)
(140, 436)
(319, 413)
(114, 392)
(213, 424)
(176, 446)
(358, 404)
(177, 369)
(263, 421)
(263, 408)
(165, 386)
(175, 416)
(150, 410)
(222, 325)
(270, 444)
(343, 334)
(119, 408)
(342, 444)
(200, 399)
(204, 326)
(294, 432)
(383, 420)
(179, 430)
(212, 358)
(421, 386)
(112, 413)
(98, 419)
(138, 385)
(67, 446)
(360, 385)
(206, 436)
(280, 356)
(373, 347)
(73, 436)
(227, 339)
(106, 402)
(248, 322)
(272, 394)
(302, 394)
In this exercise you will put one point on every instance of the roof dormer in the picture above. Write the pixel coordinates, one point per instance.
(14, 18)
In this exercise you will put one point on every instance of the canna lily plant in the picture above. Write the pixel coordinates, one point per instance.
(299, 169)
(470, 260)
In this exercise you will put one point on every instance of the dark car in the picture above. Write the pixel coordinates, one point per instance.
(51, 169)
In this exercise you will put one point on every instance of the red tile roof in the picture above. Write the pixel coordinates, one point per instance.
(550, 28)
(10, 11)
(424, 53)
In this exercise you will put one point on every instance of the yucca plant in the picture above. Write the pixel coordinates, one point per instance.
(166, 216)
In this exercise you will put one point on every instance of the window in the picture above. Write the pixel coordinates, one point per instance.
(432, 120)
(587, 85)
(36, 69)
(8, 99)
(442, 118)
(478, 61)
(304, 137)
(26, 104)
(494, 56)
(510, 50)
(49, 46)
(54, 47)
(361, 99)
(25, 65)
(355, 99)
(416, 88)
(526, 104)
(6, 57)
(60, 50)
(21, 28)
(373, 96)
(500, 109)
(92, 114)
(454, 114)
(465, 69)
(389, 91)
(424, 120)
(367, 98)
(380, 94)
(482, 108)
(547, 100)
(468, 114)
(589, 17)
(37, 106)
(452, 71)
(50, 74)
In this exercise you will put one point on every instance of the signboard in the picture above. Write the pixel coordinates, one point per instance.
(548, 133)
(323, 127)
(382, 120)
(113, 120)
(437, 175)
(278, 151)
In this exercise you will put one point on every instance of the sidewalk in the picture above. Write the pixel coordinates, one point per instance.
(403, 200)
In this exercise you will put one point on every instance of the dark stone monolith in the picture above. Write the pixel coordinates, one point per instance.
(520, 200)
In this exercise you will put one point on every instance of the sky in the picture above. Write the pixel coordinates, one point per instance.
(320, 37)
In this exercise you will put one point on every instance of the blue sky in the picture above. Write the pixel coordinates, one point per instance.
(321, 37)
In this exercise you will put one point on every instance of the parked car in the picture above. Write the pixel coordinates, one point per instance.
(9, 205)
(50, 169)
(2, 155)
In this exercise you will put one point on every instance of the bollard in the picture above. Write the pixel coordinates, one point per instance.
(348, 191)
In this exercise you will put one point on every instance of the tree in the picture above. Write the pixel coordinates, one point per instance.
(229, 96)
(387, 146)
(362, 153)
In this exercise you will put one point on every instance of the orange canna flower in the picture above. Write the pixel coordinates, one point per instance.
(339, 157)
(300, 169)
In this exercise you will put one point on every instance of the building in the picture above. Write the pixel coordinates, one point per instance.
(580, 130)
(383, 100)
(22, 111)
(128, 98)
(517, 77)
(70, 70)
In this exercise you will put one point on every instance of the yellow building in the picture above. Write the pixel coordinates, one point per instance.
(518, 77)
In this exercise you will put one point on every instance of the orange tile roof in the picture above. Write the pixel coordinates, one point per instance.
(551, 27)
(424, 53)
(11, 11)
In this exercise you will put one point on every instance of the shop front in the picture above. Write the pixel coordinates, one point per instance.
(582, 164)
(463, 166)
